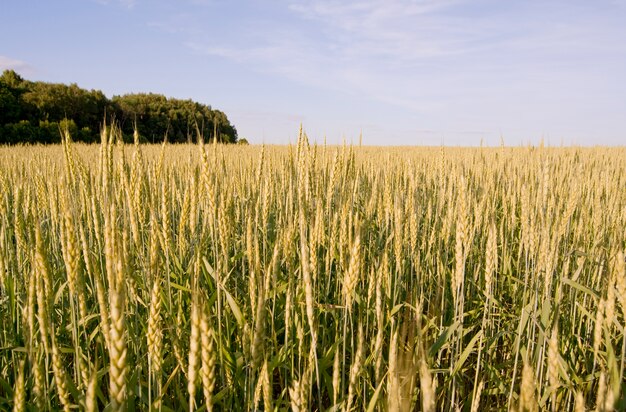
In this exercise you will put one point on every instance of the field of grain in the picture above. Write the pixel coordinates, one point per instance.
(211, 277)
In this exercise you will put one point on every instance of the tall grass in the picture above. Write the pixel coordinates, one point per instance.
(311, 278)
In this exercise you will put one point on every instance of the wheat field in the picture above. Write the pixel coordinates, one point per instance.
(311, 277)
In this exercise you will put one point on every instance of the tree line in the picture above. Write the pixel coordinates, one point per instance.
(37, 112)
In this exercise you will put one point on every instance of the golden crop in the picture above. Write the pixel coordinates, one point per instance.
(311, 278)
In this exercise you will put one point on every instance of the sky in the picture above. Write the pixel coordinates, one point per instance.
(396, 72)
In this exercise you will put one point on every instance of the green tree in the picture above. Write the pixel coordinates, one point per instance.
(37, 110)
(12, 79)
(158, 117)
(11, 88)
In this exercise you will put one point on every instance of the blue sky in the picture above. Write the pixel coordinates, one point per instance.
(402, 72)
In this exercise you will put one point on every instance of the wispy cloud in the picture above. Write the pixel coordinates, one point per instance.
(129, 4)
(8, 63)
(177, 24)
(404, 31)
(283, 52)
(438, 61)
(379, 48)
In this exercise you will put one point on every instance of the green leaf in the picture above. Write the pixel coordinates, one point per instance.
(466, 352)
(611, 361)
(229, 298)
(372, 404)
(580, 287)
(441, 340)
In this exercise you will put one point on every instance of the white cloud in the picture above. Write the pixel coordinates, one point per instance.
(430, 58)
(363, 48)
(8, 63)
(400, 30)
(129, 4)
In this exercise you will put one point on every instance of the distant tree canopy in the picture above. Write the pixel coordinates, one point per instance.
(36, 112)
